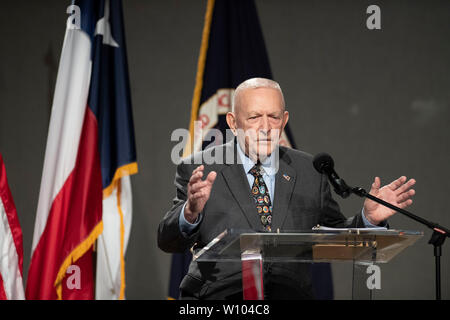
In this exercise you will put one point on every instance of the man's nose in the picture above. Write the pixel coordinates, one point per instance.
(264, 126)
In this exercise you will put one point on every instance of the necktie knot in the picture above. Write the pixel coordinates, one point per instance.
(256, 170)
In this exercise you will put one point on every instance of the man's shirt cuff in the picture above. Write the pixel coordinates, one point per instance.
(367, 223)
(185, 226)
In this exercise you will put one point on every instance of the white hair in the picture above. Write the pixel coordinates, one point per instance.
(255, 83)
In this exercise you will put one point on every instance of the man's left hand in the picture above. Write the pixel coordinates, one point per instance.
(398, 193)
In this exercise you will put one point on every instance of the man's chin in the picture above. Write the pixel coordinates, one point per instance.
(264, 150)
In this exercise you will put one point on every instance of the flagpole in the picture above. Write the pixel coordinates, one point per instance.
(199, 77)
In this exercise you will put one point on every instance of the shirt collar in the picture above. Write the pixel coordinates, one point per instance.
(267, 164)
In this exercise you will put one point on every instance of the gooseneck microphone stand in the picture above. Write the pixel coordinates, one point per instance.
(438, 237)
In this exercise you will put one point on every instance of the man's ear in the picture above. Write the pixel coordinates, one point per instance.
(231, 121)
(285, 119)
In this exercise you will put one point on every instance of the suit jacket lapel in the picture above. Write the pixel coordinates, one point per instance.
(236, 179)
(237, 182)
(284, 185)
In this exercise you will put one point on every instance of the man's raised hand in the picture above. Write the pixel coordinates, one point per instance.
(398, 193)
(198, 193)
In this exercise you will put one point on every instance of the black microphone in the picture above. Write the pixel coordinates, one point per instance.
(323, 163)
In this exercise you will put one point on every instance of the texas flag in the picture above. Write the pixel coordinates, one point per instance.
(84, 212)
(11, 249)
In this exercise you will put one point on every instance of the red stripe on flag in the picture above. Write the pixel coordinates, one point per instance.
(11, 213)
(2, 290)
(73, 224)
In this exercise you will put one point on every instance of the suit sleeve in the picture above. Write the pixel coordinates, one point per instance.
(170, 237)
(331, 215)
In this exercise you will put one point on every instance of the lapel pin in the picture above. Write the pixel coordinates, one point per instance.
(286, 177)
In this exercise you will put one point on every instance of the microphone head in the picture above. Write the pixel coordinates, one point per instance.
(323, 161)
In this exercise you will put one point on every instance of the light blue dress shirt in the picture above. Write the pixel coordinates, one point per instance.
(268, 173)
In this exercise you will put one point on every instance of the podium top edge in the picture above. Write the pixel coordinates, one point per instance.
(350, 231)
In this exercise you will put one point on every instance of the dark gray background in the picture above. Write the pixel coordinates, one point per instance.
(378, 101)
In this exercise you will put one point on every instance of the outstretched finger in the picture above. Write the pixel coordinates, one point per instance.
(375, 186)
(394, 185)
(199, 168)
(405, 196)
(195, 177)
(211, 177)
(405, 186)
(405, 204)
(198, 186)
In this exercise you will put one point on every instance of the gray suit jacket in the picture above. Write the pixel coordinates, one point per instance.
(300, 202)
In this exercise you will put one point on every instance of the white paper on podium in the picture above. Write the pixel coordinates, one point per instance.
(351, 229)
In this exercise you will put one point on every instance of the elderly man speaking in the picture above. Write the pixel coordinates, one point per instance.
(267, 187)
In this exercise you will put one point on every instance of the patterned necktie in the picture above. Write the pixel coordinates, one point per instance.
(262, 198)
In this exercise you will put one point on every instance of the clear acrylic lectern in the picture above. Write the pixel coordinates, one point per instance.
(363, 248)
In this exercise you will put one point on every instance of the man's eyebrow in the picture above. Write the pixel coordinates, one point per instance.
(275, 113)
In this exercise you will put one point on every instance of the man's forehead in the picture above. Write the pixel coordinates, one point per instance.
(261, 91)
(263, 110)
(257, 99)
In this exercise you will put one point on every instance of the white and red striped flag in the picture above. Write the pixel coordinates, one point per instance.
(85, 190)
(69, 213)
(11, 249)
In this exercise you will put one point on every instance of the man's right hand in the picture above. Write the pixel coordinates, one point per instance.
(198, 193)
